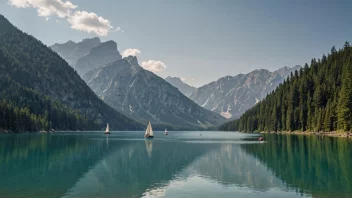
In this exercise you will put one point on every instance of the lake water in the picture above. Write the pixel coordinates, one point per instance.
(182, 164)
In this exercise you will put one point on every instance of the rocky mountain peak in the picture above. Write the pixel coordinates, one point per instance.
(132, 60)
(108, 45)
(142, 95)
(43, 81)
(183, 87)
(71, 51)
(91, 40)
(98, 56)
(230, 96)
(175, 79)
(287, 70)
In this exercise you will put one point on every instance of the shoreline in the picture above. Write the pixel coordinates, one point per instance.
(329, 134)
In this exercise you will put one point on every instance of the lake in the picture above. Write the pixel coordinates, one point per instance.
(182, 164)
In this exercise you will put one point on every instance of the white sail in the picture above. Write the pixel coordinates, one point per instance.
(149, 130)
(107, 128)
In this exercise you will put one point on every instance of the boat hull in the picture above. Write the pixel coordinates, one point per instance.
(107, 133)
(149, 137)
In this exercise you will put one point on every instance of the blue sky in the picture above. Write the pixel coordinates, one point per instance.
(204, 40)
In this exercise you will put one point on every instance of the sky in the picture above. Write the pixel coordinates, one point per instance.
(196, 40)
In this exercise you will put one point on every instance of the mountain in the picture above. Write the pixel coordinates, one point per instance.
(231, 96)
(100, 55)
(87, 54)
(184, 88)
(38, 87)
(317, 98)
(71, 51)
(142, 95)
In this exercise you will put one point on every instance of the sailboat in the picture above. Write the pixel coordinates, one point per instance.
(149, 131)
(107, 130)
(166, 133)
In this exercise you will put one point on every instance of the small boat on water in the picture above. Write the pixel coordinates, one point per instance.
(107, 130)
(260, 138)
(149, 131)
(166, 133)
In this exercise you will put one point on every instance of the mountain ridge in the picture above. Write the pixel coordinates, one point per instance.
(27, 62)
(126, 86)
(102, 54)
(71, 51)
(183, 87)
(316, 98)
(230, 96)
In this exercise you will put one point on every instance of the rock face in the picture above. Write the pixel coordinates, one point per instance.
(100, 55)
(72, 51)
(142, 95)
(231, 96)
(88, 54)
(184, 88)
(42, 71)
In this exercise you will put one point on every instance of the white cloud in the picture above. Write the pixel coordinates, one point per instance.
(79, 20)
(90, 22)
(46, 8)
(154, 66)
(131, 52)
(117, 29)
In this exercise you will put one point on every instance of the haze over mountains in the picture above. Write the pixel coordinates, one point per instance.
(184, 88)
(72, 51)
(87, 54)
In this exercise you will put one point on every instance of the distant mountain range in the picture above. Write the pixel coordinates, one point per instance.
(184, 88)
(142, 95)
(39, 90)
(87, 54)
(72, 51)
(315, 99)
(231, 96)
(111, 77)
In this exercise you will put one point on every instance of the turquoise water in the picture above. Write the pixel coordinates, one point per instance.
(182, 164)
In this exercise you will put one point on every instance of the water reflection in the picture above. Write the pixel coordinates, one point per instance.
(317, 165)
(140, 165)
(223, 172)
(44, 165)
(229, 165)
(124, 165)
(149, 147)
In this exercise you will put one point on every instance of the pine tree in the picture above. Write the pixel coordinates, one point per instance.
(318, 97)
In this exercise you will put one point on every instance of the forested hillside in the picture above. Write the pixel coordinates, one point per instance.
(38, 89)
(316, 98)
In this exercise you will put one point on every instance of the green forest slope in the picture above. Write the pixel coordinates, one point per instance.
(40, 91)
(316, 98)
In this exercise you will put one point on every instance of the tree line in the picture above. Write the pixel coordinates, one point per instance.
(24, 109)
(315, 98)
